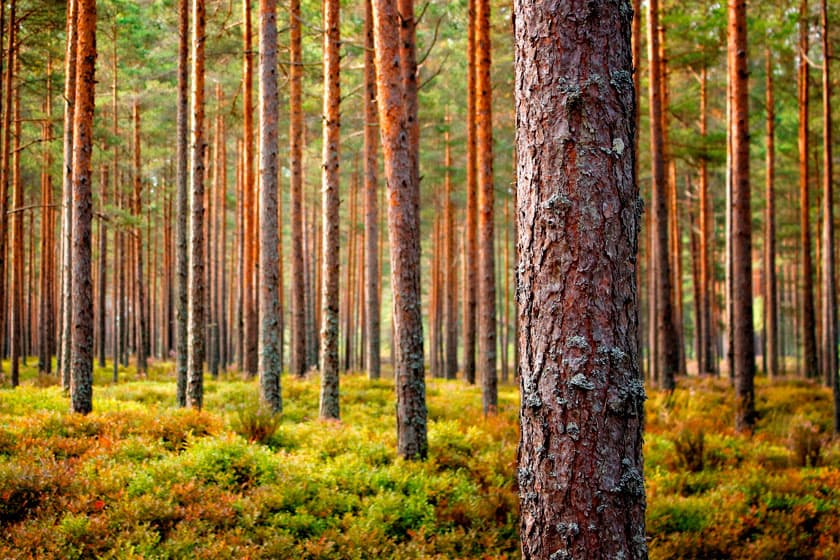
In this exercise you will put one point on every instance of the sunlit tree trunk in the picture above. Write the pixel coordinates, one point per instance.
(397, 99)
(249, 309)
(450, 261)
(81, 354)
(486, 253)
(298, 323)
(181, 204)
(329, 188)
(371, 163)
(580, 456)
(667, 358)
(195, 296)
(66, 189)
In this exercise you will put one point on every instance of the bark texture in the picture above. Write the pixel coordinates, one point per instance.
(486, 254)
(67, 188)
(298, 326)
(580, 457)
(195, 296)
(329, 206)
(142, 349)
(471, 264)
(181, 204)
(81, 353)
(269, 305)
(808, 324)
(397, 97)
(742, 312)
(771, 325)
(371, 164)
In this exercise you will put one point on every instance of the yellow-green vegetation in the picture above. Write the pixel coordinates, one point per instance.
(139, 478)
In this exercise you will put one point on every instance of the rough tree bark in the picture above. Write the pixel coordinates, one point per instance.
(450, 261)
(471, 264)
(67, 190)
(580, 460)
(81, 354)
(181, 205)
(195, 295)
(329, 188)
(397, 99)
(705, 358)
(17, 328)
(269, 304)
(371, 164)
(667, 346)
(298, 325)
(742, 312)
(808, 325)
(249, 309)
(486, 255)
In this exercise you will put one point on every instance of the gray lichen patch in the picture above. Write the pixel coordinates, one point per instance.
(580, 381)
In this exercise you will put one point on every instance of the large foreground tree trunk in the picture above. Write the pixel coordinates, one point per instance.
(181, 206)
(298, 326)
(81, 352)
(397, 98)
(580, 462)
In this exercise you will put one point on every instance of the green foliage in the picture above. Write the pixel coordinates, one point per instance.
(139, 478)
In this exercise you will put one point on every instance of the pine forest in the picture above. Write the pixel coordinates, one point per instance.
(363, 279)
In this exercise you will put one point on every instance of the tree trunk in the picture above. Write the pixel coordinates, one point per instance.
(450, 262)
(17, 330)
(742, 325)
(81, 355)
(181, 204)
(471, 276)
(397, 99)
(705, 358)
(808, 326)
(667, 348)
(486, 255)
(67, 186)
(580, 461)
(298, 325)
(269, 340)
(771, 328)
(195, 296)
(45, 308)
(371, 163)
(329, 188)
(249, 310)
(142, 342)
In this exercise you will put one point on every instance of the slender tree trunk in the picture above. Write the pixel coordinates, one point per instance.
(102, 285)
(580, 460)
(329, 188)
(16, 335)
(269, 340)
(249, 274)
(81, 355)
(486, 255)
(450, 262)
(771, 328)
(371, 164)
(137, 235)
(397, 100)
(181, 204)
(67, 186)
(45, 309)
(667, 357)
(298, 324)
(741, 218)
(808, 325)
(471, 277)
(705, 358)
(195, 296)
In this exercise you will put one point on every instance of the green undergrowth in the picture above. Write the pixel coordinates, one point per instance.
(140, 478)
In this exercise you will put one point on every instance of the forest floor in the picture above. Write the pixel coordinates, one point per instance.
(139, 478)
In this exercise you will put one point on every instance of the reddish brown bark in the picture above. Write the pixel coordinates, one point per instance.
(298, 324)
(471, 253)
(249, 309)
(195, 295)
(81, 355)
(397, 97)
(771, 326)
(705, 355)
(450, 260)
(142, 342)
(580, 460)
(181, 205)
(808, 322)
(742, 325)
(667, 350)
(371, 163)
(17, 328)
